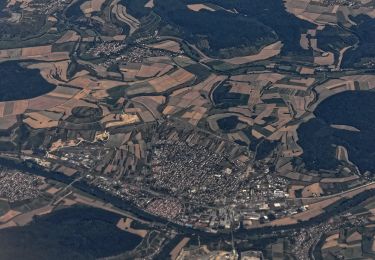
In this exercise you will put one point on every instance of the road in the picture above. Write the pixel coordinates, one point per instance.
(341, 194)
(60, 195)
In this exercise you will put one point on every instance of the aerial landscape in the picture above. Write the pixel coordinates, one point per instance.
(187, 129)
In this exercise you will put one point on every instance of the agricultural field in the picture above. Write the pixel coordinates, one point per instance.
(190, 120)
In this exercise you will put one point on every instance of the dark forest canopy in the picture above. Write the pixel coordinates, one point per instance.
(237, 27)
(319, 140)
(17, 82)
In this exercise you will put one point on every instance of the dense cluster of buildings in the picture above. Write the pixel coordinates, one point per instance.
(350, 3)
(194, 173)
(136, 54)
(16, 186)
(308, 237)
(106, 48)
(199, 181)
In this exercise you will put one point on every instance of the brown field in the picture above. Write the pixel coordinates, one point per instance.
(270, 77)
(158, 59)
(23, 3)
(166, 82)
(81, 73)
(69, 36)
(119, 37)
(129, 73)
(121, 14)
(307, 71)
(2, 109)
(184, 98)
(303, 81)
(89, 7)
(181, 92)
(39, 121)
(356, 236)
(240, 87)
(138, 90)
(187, 98)
(331, 241)
(43, 53)
(151, 103)
(342, 52)
(8, 225)
(262, 78)
(342, 154)
(297, 176)
(312, 11)
(89, 82)
(20, 106)
(125, 119)
(52, 190)
(334, 86)
(241, 110)
(209, 83)
(345, 127)
(44, 102)
(177, 249)
(299, 104)
(313, 211)
(195, 115)
(149, 71)
(49, 69)
(256, 134)
(339, 180)
(125, 224)
(158, 99)
(240, 136)
(265, 113)
(7, 122)
(167, 45)
(12, 108)
(9, 215)
(10, 54)
(67, 107)
(147, 117)
(198, 7)
(84, 81)
(82, 199)
(150, 4)
(36, 51)
(67, 171)
(304, 41)
(63, 92)
(327, 60)
(182, 76)
(212, 120)
(312, 190)
(289, 136)
(314, 44)
(298, 8)
(54, 56)
(106, 84)
(25, 218)
(168, 110)
(318, 207)
(165, 70)
(266, 53)
(292, 190)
